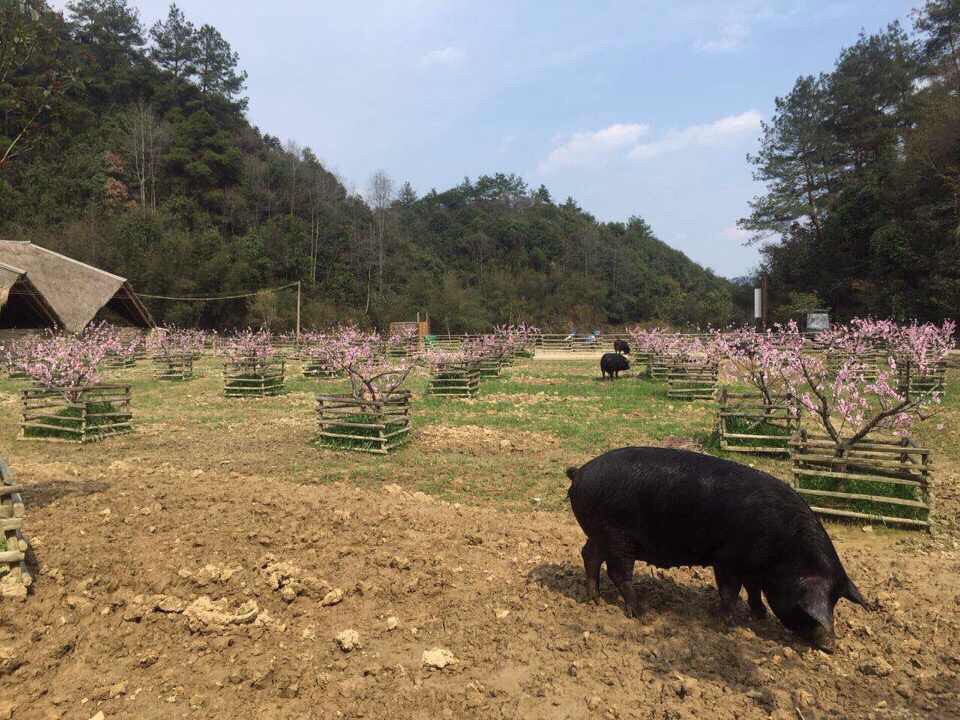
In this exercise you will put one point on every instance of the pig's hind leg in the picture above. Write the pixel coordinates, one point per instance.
(755, 599)
(592, 560)
(620, 571)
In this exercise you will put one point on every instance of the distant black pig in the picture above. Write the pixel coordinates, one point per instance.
(621, 347)
(612, 364)
(675, 507)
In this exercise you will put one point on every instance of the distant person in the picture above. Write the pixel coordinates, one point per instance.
(572, 335)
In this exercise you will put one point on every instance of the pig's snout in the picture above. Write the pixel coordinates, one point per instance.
(824, 639)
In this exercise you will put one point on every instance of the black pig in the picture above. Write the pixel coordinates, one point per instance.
(621, 346)
(672, 507)
(612, 364)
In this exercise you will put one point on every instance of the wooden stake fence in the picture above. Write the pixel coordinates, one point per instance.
(746, 423)
(692, 381)
(876, 480)
(253, 377)
(98, 412)
(456, 380)
(173, 367)
(373, 426)
(15, 577)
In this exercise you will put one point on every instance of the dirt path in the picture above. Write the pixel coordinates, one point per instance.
(171, 594)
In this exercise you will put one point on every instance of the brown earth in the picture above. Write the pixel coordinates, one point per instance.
(166, 593)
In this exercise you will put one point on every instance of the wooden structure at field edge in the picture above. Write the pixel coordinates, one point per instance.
(372, 426)
(871, 461)
(253, 377)
(752, 408)
(99, 411)
(15, 577)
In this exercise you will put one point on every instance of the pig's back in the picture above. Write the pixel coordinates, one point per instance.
(675, 507)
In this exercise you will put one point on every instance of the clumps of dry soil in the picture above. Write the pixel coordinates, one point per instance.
(477, 440)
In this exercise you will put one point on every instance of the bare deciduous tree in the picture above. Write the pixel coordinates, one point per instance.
(381, 196)
(144, 140)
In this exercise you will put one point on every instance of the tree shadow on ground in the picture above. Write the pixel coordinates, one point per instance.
(47, 493)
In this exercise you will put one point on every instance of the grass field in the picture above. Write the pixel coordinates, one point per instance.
(214, 503)
(508, 447)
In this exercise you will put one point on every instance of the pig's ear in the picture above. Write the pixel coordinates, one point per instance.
(851, 593)
(572, 473)
(815, 601)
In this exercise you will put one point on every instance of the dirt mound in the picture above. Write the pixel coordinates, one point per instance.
(235, 595)
(472, 439)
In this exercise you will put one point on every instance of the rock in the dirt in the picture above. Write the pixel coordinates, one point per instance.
(877, 667)
(687, 687)
(332, 598)
(8, 662)
(438, 658)
(392, 622)
(803, 699)
(348, 640)
(205, 615)
(99, 716)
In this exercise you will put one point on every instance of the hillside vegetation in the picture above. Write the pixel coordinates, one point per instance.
(128, 147)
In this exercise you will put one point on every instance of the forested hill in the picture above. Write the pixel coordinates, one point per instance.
(862, 168)
(128, 147)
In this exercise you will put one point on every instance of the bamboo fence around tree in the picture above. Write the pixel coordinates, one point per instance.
(96, 412)
(747, 423)
(254, 377)
(877, 480)
(455, 380)
(934, 380)
(659, 366)
(317, 369)
(869, 362)
(116, 362)
(373, 426)
(173, 367)
(490, 367)
(692, 381)
(15, 577)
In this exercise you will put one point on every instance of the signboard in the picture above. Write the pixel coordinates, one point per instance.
(818, 320)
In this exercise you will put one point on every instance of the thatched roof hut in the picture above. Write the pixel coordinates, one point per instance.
(76, 292)
(22, 306)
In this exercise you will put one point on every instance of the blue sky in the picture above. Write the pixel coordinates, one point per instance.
(633, 108)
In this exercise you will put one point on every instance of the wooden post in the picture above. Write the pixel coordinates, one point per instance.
(298, 311)
(764, 287)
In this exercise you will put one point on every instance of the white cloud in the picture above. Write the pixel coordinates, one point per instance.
(735, 234)
(589, 148)
(710, 135)
(444, 57)
(733, 36)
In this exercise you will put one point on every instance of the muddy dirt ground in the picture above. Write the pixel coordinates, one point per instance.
(170, 588)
